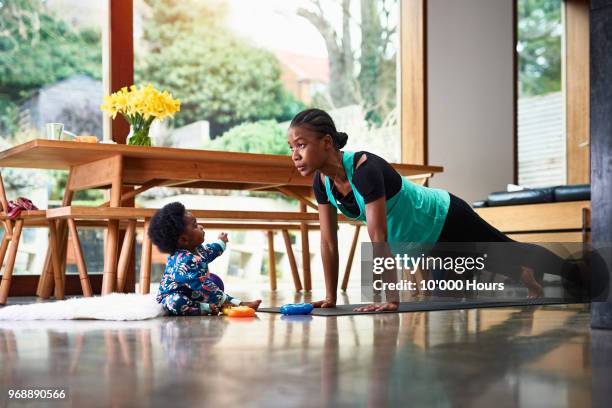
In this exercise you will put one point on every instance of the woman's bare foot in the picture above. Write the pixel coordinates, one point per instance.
(253, 305)
(324, 303)
(534, 289)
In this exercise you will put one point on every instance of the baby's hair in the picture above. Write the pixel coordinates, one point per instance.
(166, 226)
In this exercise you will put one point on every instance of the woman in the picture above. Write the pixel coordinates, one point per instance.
(364, 186)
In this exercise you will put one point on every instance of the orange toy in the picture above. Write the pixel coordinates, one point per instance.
(239, 311)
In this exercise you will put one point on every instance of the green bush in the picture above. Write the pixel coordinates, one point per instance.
(264, 136)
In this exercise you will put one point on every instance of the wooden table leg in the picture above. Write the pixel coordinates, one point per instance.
(126, 252)
(57, 267)
(110, 257)
(349, 262)
(271, 261)
(294, 270)
(45, 283)
(127, 200)
(81, 265)
(5, 284)
(145, 260)
(305, 252)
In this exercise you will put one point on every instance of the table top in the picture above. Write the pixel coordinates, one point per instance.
(170, 166)
(55, 154)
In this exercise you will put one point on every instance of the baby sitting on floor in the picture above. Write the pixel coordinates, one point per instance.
(186, 288)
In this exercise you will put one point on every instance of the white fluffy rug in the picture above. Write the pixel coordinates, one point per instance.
(116, 306)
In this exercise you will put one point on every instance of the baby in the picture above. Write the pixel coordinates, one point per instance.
(186, 288)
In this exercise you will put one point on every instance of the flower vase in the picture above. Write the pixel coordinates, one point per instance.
(139, 136)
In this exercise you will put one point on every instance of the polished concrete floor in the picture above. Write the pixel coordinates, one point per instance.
(530, 356)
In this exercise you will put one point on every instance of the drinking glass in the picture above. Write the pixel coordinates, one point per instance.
(54, 131)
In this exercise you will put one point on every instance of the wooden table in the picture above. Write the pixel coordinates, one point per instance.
(115, 167)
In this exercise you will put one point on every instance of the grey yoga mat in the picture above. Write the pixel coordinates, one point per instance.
(429, 305)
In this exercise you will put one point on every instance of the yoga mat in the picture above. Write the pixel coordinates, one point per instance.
(432, 305)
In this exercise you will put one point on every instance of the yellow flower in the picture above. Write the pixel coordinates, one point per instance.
(144, 101)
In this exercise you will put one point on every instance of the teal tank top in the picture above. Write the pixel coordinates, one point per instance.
(415, 214)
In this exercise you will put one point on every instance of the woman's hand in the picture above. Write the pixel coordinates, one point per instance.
(378, 307)
(324, 303)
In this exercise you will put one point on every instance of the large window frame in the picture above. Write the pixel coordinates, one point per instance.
(118, 71)
(575, 62)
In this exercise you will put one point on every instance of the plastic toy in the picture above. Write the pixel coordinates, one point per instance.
(296, 309)
(239, 311)
(217, 280)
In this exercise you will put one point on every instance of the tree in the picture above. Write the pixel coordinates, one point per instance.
(37, 49)
(217, 76)
(264, 136)
(367, 75)
(539, 46)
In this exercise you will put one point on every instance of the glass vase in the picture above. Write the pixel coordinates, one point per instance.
(139, 136)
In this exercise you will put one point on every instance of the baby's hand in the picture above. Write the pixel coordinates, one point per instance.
(214, 309)
(223, 237)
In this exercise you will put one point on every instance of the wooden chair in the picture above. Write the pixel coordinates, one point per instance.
(10, 244)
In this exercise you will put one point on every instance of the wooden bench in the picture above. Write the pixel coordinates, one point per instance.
(547, 222)
(132, 218)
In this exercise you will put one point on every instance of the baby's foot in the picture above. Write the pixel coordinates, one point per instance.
(534, 289)
(253, 305)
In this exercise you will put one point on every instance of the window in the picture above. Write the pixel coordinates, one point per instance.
(541, 101)
(50, 71)
(243, 69)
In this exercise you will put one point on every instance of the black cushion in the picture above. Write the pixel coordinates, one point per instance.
(576, 192)
(535, 196)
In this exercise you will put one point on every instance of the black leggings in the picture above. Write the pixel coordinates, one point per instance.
(464, 225)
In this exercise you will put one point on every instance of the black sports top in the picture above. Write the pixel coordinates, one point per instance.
(373, 179)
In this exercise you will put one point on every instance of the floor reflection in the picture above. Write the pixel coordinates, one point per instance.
(521, 356)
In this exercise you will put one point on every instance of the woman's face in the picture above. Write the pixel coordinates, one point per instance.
(308, 151)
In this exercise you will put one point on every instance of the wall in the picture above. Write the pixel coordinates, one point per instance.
(470, 95)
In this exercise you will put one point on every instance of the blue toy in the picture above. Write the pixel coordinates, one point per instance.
(296, 309)
(217, 280)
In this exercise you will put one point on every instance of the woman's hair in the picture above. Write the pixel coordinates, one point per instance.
(319, 121)
(166, 226)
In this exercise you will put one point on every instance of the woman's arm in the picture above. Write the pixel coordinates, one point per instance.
(376, 216)
(328, 220)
